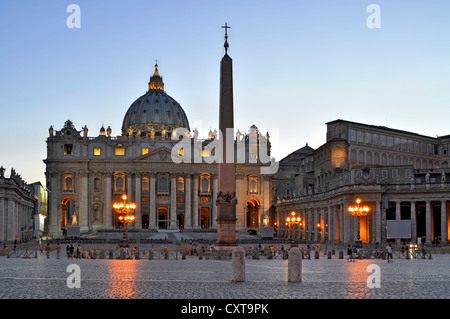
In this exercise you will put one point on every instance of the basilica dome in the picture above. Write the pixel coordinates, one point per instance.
(155, 112)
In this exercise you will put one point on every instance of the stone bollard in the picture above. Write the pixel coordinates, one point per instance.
(285, 254)
(238, 264)
(102, 254)
(183, 255)
(295, 265)
(137, 255)
(316, 255)
(150, 255)
(166, 255)
(341, 255)
(200, 255)
(329, 255)
(270, 255)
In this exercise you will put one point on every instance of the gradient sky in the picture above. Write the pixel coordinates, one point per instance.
(297, 65)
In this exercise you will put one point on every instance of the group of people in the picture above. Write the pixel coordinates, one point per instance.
(70, 251)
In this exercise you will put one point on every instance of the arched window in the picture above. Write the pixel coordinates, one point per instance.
(145, 185)
(68, 184)
(97, 185)
(119, 184)
(180, 185)
(204, 185)
(253, 185)
(162, 185)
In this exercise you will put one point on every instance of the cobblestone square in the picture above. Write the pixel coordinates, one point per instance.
(194, 278)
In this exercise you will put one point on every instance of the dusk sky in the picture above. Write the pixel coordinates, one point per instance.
(297, 65)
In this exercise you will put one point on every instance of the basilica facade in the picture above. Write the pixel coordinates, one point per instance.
(86, 174)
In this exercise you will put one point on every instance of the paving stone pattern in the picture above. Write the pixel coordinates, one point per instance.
(192, 278)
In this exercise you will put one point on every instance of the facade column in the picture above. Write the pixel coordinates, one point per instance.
(173, 201)
(54, 214)
(152, 213)
(413, 223)
(187, 203)
(84, 213)
(213, 199)
(195, 202)
(108, 203)
(428, 221)
(444, 227)
(138, 201)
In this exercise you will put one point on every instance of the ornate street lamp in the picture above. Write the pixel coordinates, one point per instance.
(291, 221)
(359, 210)
(125, 212)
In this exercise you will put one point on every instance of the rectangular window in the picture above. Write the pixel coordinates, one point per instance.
(384, 173)
(97, 151)
(394, 173)
(407, 173)
(352, 135)
(145, 151)
(68, 149)
(120, 151)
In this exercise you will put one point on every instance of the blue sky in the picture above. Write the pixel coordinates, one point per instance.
(297, 65)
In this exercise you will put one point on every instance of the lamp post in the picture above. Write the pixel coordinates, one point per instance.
(125, 212)
(359, 210)
(291, 221)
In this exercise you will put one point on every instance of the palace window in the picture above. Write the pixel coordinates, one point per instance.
(97, 151)
(145, 151)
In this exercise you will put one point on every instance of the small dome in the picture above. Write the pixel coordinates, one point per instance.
(154, 111)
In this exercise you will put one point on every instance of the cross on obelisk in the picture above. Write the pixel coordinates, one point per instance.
(226, 36)
(226, 197)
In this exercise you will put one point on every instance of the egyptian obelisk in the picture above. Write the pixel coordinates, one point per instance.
(226, 196)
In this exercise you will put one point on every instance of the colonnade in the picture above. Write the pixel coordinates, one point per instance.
(330, 221)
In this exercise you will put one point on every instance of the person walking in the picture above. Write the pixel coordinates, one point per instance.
(389, 252)
(47, 249)
(58, 250)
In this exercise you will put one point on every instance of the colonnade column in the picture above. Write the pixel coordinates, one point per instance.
(444, 226)
(377, 221)
(413, 223)
(397, 216)
(428, 221)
